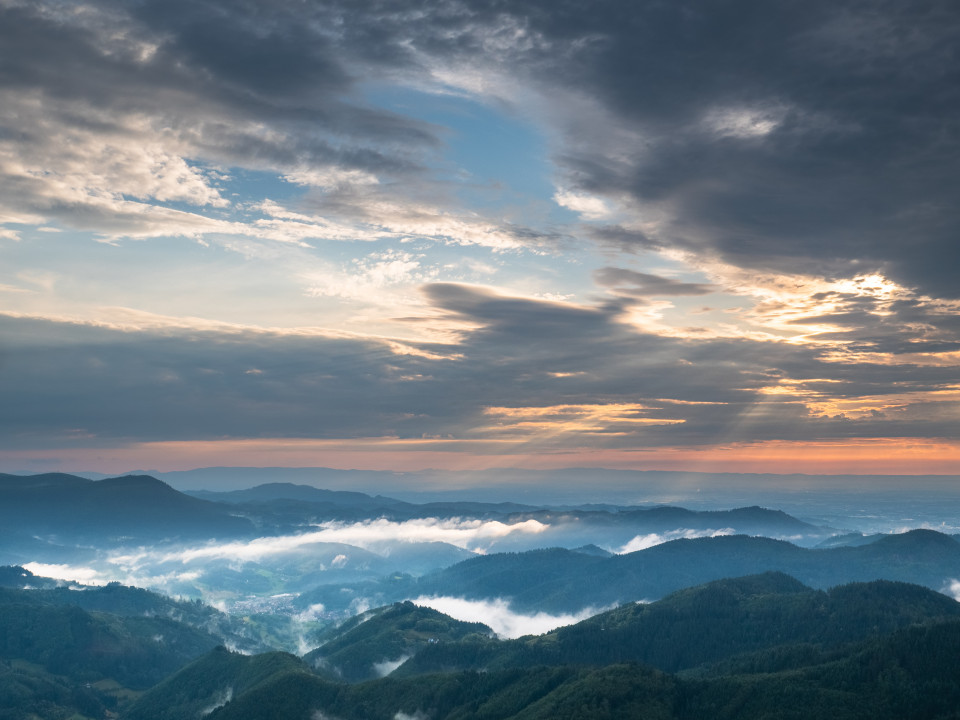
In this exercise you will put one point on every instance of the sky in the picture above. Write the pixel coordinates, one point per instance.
(700, 235)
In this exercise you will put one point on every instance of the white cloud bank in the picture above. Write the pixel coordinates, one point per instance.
(466, 534)
(143, 576)
(69, 573)
(497, 615)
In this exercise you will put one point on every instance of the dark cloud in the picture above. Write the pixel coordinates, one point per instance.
(819, 137)
(623, 239)
(637, 284)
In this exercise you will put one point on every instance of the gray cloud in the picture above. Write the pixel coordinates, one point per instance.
(593, 377)
(637, 284)
(819, 139)
(812, 138)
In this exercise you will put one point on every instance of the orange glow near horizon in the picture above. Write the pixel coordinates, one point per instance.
(852, 456)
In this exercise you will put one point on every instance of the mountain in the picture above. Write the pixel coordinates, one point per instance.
(375, 643)
(287, 505)
(556, 580)
(67, 640)
(566, 486)
(129, 507)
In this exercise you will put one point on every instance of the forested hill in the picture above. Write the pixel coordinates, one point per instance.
(58, 659)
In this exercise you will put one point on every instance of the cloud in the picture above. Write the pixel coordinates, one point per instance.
(329, 539)
(318, 715)
(642, 542)
(589, 207)
(132, 122)
(144, 103)
(497, 615)
(516, 373)
(637, 284)
(417, 715)
(467, 534)
(384, 668)
(113, 569)
(221, 699)
(310, 614)
(711, 129)
(741, 150)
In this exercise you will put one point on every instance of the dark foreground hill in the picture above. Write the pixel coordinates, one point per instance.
(561, 581)
(910, 674)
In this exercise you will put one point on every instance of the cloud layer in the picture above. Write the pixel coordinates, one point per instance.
(470, 226)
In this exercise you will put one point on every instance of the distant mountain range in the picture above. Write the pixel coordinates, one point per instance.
(564, 485)
(43, 516)
(70, 507)
(563, 581)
